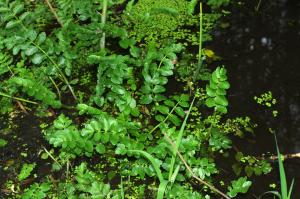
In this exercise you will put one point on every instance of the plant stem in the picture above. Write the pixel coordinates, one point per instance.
(17, 98)
(191, 171)
(56, 87)
(53, 158)
(200, 45)
(64, 78)
(166, 118)
(103, 21)
(54, 13)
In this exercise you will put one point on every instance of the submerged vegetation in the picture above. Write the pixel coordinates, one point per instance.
(98, 75)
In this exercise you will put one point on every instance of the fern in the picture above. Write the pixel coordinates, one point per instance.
(113, 71)
(65, 10)
(178, 103)
(21, 36)
(86, 141)
(39, 92)
(158, 66)
(87, 182)
(216, 90)
(5, 63)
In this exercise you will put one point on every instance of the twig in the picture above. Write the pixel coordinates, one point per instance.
(258, 6)
(286, 156)
(54, 13)
(22, 107)
(190, 170)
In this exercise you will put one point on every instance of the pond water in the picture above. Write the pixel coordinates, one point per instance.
(261, 50)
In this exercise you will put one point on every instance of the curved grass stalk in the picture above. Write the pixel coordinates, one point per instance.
(153, 162)
(56, 87)
(178, 140)
(162, 189)
(162, 182)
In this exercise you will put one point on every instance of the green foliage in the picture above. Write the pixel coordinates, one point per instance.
(218, 3)
(26, 171)
(32, 88)
(3, 143)
(98, 135)
(88, 184)
(216, 90)
(84, 184)
(122, 90)
(251, 164)
(38, 191)
(18, 22)
(240, 185)
(113, 71)
(266, 99)
(175, 103)
(5, 63)
(183, 192)
(157, 66)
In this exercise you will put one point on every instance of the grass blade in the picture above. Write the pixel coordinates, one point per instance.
(161, 189)
(291, 189)
(178, 140)
(275, 193)
(283, 184)
(153, 162)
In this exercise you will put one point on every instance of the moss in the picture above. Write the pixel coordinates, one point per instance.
(161, 20)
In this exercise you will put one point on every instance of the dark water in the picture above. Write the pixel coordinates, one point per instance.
(261, 50)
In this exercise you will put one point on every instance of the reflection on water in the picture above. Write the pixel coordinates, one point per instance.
(262, 52)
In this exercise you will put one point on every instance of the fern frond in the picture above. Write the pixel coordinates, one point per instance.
(36, 90)
(65, 9)
(5, 63)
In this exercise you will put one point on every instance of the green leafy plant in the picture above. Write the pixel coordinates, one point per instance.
(38, 191)
(216, 90)
(251, 164)
(267, 100)
(3, 143)
(26, 171)
(129, 125)
(178, 103)
(239, 186)
(157, 66)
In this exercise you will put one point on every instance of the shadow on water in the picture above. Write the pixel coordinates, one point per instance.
(261, 50)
